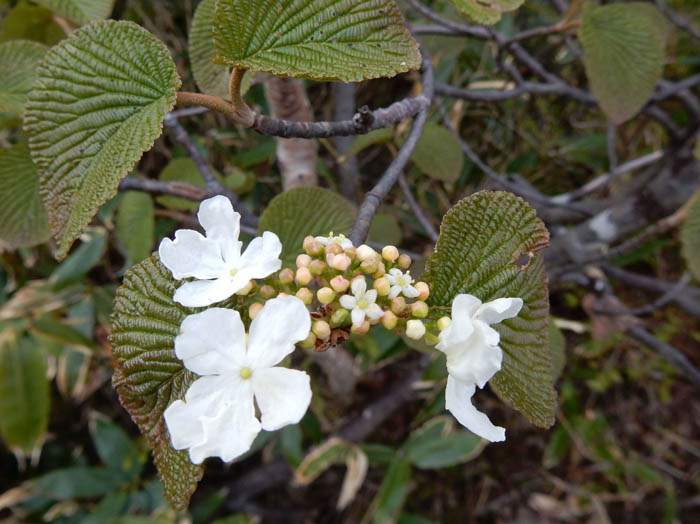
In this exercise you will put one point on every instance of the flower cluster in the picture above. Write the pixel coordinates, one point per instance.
(348, 289)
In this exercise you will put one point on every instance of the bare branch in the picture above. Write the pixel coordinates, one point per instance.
(181, 136)
(344, 100)
(156, 187)
(420, 215)
(677, 19)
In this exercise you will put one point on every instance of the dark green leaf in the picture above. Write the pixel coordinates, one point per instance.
(438, 154)
(392, 493)
(488, 247)
(79, 12)
(116, 449)
(136, 225)
(18, 62)
(107, 88)
(77, 483)
(344, 40)
(81, 260)
(690, 236)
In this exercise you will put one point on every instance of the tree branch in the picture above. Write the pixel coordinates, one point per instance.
(420, 215)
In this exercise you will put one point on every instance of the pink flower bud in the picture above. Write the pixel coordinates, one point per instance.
(382, 286)
(305, 295)
(267, 291)
(317, 267)
(363, 329)
(419, 309)
(340, 284)
(390, 253)
(254, 309)
(333, 249)
(303, 260)
(389, 320)
(398, 304)
(303, 276)
(404, 261)
(286, 276)
(341, 262)
(423, 289)
(321, 329)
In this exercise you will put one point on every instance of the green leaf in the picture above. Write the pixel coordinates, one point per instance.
(81, 260)
(181, 170)
(107, 89)
(306, 211)
(690, 236)
(434, 446)
(331, 452)
(77, 482)
(377, 136)
(624, 52)
(488, 248)
(136, 225)
(23, 219)
(391, 497)
(385, 230)
(211, 78)
(148, 376)
(344, 40)
(438, 154)
(116, 449)
(487, 12)
(18, 62)
(24, 391)
(25, 21)
(80, 12)
(57, 331)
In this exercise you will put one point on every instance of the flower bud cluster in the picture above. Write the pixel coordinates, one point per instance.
(351, 289)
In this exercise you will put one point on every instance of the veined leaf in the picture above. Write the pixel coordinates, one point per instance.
(136, 225)
(98, 104)
(488, 248)
(624, 51)
(690, 236)
(18, 62)
(487, 12)
(304, 211)
(29, 22)
(211, 78)
(24, 391)
(80, 12)
(23, 220)
(148, 376)
(344, 40)
(438, 154)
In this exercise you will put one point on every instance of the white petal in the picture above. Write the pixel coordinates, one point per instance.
(374, 312)
(464, 306)
(216, 419)
(458, 401)
(261, 257)
(200, 293)
(371, 295)
(281, 323)
(410, 292)
(345, 243)
(212, 342)
(222, 225)
(358, 316)
(358, 286)
(498, 310)
(324, 241)
(476, 363)
(454, 336)
(395, 291)
(394, 272)
(283, 396)
(348, 302)
(191, 255)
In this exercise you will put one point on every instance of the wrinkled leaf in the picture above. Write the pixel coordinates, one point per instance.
(488, 247)
(107, 89)
(23, 219)
(344, 40)
(136, 225)
(487, 12)
(304, 211)
(18, 62)
(690, 236)
(624, 52)
(148, 376)
(438, 154)
(24, 391)
(80, 12)
(211, 78)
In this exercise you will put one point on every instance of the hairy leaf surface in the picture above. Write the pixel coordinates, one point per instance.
(98, 104)
(488, 248)
(148, 376)
(18, 62)
(344, 40)
(23, 220)
(487, 12)
(306, 211)
(80, 12)
(690, 236)
(624, 51)
(211, 78)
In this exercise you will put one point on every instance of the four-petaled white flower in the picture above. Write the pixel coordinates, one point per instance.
(215, 261)
(473, 357)
(401, 283)
(362, 304)
(217, 418)
(341, 240)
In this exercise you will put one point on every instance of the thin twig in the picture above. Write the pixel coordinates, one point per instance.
(344, 102)
(666, 298)
(157, 187)
(420, 215)
(181, 136)
(678, 19)
(375, 197)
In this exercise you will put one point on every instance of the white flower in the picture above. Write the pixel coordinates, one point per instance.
(217, 418)
(473, 357)
(362, 303)
(216, 260)
(401, 283)
(341, 240)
